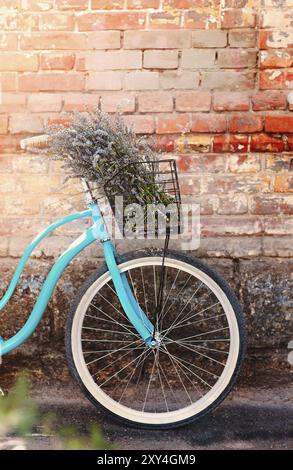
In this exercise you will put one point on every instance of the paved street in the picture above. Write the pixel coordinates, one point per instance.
(251, 418)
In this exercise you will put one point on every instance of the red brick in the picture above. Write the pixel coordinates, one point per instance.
(72, 4)
(209, 123)
(9, 22)
(242, 38)
(266, 143)
(236, 59)
(155, 101)
(284, 183)
(3, 124)
(121, 102)
(77, 102)
(266, 100)
(8, 41)
(53, 22)
(275, 79)
(107, 4)
(167, 59)
(44, 102)
(177, 39)
(141, 124)
(142, 4)
(200, 18)
(105, 81)
(141, 80)
(244, 164)
(193, 101)
(57, 61)
(237, 19)
(235, 226)
(276, 39)
(51, 82)
(230, 143)
(279, 123)
(165, 20)
(278, 225)
(55, 41)
(228, 80)
(104, 40)
(237, 183)
(178, 80)
(29, 22)
(189, 143)
(111, 20)
(110, 60)
(25, 123)
(10, 102)
(276, 59)
(173, 123)
(232, 206)
(231, 101)
(206, 38)
(37, 5)
(20, 62)
(8, 81)
(245, 123)
(271, 204)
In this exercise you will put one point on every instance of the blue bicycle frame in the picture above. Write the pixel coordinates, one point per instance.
(97, 231)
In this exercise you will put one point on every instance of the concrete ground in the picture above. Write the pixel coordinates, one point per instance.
(250, 418)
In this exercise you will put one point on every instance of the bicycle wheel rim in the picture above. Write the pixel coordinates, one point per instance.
(162, 417)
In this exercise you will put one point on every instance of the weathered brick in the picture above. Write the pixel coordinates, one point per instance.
(141, 124)
(244, 122)
(193, 143)
(236, 58)
(277, 246)
(44, 102)
(284, 183)
(232, 206)
(3, 124)
(209, 38)
(201, 18)
(279, 123)
(276, 39)
(242, 38)
(57, 61)
(142, 4)
(53, 22)
(193, 101)
(110, 60)
(141, 81)
(237, 183)
(165, 20)
(25, 123)
(277, 18)
(51, 81)
(8, 41)
(230, 143)
(209, 123)
(122, 102)
(173, 39)
(197, 58)
(50, 40)
(278, 225)
(201, 163)
(173, 123)
(110, 20)
(223, 80)
(72, 4)
(160, 59)
(275, 59)
(104, 40)
(9, 22)
(275, 79)
(37, 5)
(8, 81)
(20, 62)
(155, 101)
(244, 164)
(267, 100)
(107, 4)
(266, 143)
(268, 204)
(105, 81)
(233, 225)
(179, 80)
(231, 101)
(237, 19)
(78, 102)
(278, 162)
(10, 102)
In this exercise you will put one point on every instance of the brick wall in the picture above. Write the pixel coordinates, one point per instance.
(211, 79)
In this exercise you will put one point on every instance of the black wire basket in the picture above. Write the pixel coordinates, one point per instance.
(145, 198)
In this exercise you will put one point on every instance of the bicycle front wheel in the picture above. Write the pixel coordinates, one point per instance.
(200, 341)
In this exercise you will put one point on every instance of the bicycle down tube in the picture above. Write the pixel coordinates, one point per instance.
(96, 232)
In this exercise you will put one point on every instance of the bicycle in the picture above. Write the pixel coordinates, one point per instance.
(154, 336)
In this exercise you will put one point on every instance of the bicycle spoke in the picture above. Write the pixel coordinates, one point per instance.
(200, 354)
(106, 355)
(149, 383)
(206, 333)
(196, 314)
(172, 362)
